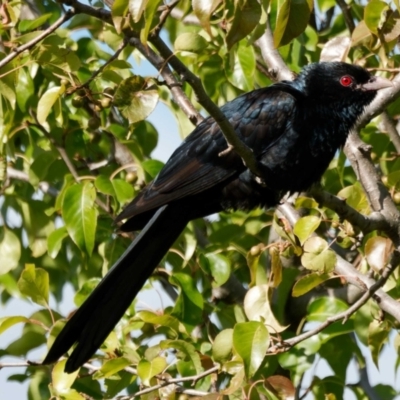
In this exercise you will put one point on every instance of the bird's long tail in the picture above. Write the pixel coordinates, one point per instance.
(96, 318)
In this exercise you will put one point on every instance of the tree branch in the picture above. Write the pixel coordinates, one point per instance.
(228, 131)
(365, 223)
(161, 65)
(345, 315)
(388, 125)
(347, 271)
(277, 69)
(18, 50)
(45, 187)
(346, 11)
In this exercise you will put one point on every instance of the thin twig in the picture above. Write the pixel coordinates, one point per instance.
(228, 131)
(99, 13)
(60, 149)
(277, 68)
(167, 382)
(166, 10)
(345, 269)
(346, 12)
(173, 84)
(388, 125)
(45, 187)
(18, 50)
(101, 69)
(365, 223)
(345, 315)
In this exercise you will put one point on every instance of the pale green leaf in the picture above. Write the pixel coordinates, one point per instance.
(34, 283)
(47, 101)
(251, 341)
(80, 215)
(10, 251)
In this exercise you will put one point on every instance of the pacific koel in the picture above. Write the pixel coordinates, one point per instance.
(294, 129)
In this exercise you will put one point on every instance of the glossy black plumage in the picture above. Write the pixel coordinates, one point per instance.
(294, 129)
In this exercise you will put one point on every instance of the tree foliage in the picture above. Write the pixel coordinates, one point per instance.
(76, 147)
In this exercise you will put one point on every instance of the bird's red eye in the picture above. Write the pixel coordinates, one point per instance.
(346, 80)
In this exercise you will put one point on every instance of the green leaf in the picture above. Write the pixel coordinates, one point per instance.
(83, 293)
(258, 308)
(149, 369)
(149, 13)
(54, 241)
(223, 345)
(247, 14)
(305, 226)
(34, 283)
(317, 255)
(47, 101)
(111, 367)
(325, 307)
(374, 15)
(62, 382)
(8, 322)
(162, 320)
(186, 351)
(152, 167)
(356, 198)
(118, 188)
(31, 24)
(308, 282)
(251, 341)
(10, 250)
(220, 268)
(80, 215)
(189, 305)
(191, 42)
(134, 101)
(292, 20)
(40, 167)
(377, 335)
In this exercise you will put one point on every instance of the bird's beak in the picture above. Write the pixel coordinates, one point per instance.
(376, 83)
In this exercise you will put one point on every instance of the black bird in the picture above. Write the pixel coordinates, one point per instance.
(294, 129)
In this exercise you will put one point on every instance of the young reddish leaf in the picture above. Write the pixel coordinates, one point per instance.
(282, 385)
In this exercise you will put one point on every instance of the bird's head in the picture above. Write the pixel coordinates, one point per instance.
(330, 82)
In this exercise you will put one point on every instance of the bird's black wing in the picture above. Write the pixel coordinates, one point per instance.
(259, 118)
